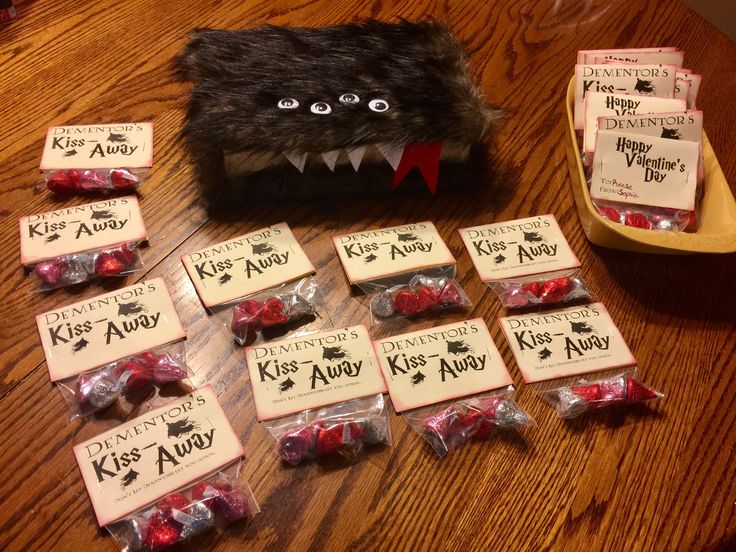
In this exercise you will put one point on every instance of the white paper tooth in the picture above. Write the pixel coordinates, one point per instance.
(392, 153)
(296, 159)
(330, 158)
(356, 156)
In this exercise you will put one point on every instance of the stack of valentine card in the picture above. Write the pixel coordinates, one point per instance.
(642, 136)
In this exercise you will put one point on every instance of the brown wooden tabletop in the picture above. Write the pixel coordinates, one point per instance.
(653, 479)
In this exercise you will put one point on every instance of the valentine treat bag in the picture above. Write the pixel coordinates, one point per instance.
(113, 346)
(642, 136)
(97, 158)
(576, 359)
(450, 384)
(77, 244)
(404, 270)
(168, 475)
(320, 394)
(259, 285)
(347, 109)
(526, 262)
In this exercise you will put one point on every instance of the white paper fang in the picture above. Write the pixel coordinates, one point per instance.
(330, 158)
(296, 159)
(392, 153)
(356, 156)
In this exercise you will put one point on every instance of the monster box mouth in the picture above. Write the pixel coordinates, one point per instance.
(401, 158)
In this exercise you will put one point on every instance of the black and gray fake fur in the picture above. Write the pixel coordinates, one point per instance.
(237, 134)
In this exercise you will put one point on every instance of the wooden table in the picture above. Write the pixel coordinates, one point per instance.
(658, 479)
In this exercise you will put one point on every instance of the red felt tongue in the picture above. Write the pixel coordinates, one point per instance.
(425, 157)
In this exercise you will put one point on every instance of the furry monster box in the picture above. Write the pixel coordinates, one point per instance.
(368, 107)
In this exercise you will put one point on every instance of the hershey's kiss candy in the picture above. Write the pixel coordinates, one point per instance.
(372, 433)
(406, 302)
(274, 313)
(515, 298)
(166, 370)
(445, 430)
(610, 213)
(196, 518)
(132, 532)
(508, 415)
(122, 179)
(451, 294)
(570, 405)
(638, 220)
(232, 505)
(75, 272)
(92, 180)
(51, 271)
(105, 389)
(295, 446)
(107, 264)
(636, 392)
(613, 390)
(63, 182)
(299, 306)
(428, 297)
(555, 290)
(162, 532)
(245, 317)
(382, 305)
(330, 439)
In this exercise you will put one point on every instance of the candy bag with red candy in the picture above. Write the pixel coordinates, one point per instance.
(647, 217)
(97, 389)
(344, 428)
(286, 310)
(526, 262)
(572, 397)
(551, 288)
(211, 503)
(96, 158)
(449, 425)
(421, 294)
(75, 268)
(76, 181)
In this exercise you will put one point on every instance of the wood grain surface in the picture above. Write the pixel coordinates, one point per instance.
(648, 479)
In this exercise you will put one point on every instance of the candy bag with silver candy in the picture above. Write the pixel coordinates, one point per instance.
(548, 288)
(447, 426)
(213, 502)
(75, 268)
(647, 217)
(288, 310)
(344, 428)
(578, 395)
(414, 293)
(127, 378)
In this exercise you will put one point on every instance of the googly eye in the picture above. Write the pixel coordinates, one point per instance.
(287, 103)
(378, 105)
(320, 108)
(349, 98)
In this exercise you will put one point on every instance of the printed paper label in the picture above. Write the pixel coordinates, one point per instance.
(565, 342)
(589, 56)
(637, 80)
(83, 228)
(611, 105)
(442, 363)
(104, 146)
(686, 126)
(136, 463)
(247, 264)
(375, 254)
(645, 171)
(94, 332)
(313, 371)
(518, 248)
(660, 58)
